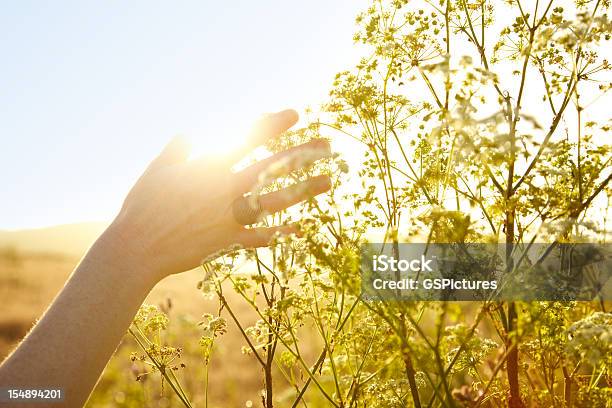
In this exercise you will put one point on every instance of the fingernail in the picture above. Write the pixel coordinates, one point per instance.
(322, 145)
(288, 112)
(321, 183)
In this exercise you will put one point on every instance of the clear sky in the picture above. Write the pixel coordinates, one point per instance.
(91, 91)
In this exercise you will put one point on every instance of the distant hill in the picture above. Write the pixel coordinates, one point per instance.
(69, 240)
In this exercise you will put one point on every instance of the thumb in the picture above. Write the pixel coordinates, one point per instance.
(176, 151)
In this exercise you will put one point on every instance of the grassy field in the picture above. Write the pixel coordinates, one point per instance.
(29, 282)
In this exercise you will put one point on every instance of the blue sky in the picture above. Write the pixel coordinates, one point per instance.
(91, 91)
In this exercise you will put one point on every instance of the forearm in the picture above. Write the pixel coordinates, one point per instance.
(70, 346)
(179, 212)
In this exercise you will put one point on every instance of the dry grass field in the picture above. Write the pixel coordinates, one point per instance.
(29, 282)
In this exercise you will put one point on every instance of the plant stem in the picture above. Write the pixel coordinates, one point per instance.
(162, 370)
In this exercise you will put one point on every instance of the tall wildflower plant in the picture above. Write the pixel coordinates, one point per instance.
(467, 121)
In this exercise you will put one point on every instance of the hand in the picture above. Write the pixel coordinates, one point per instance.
(180, 212)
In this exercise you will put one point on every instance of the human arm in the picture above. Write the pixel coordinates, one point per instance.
(178, 213)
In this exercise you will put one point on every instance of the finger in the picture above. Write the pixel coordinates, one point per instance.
(258, 237)
(281, 164)
(176, 151)
(285, 198)
(269, 126)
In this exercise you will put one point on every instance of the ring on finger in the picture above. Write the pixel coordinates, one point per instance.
(247, 210)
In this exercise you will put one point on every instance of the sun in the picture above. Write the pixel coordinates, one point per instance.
(220, 137)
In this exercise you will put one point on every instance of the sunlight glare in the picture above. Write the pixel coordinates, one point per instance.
(222, 138)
